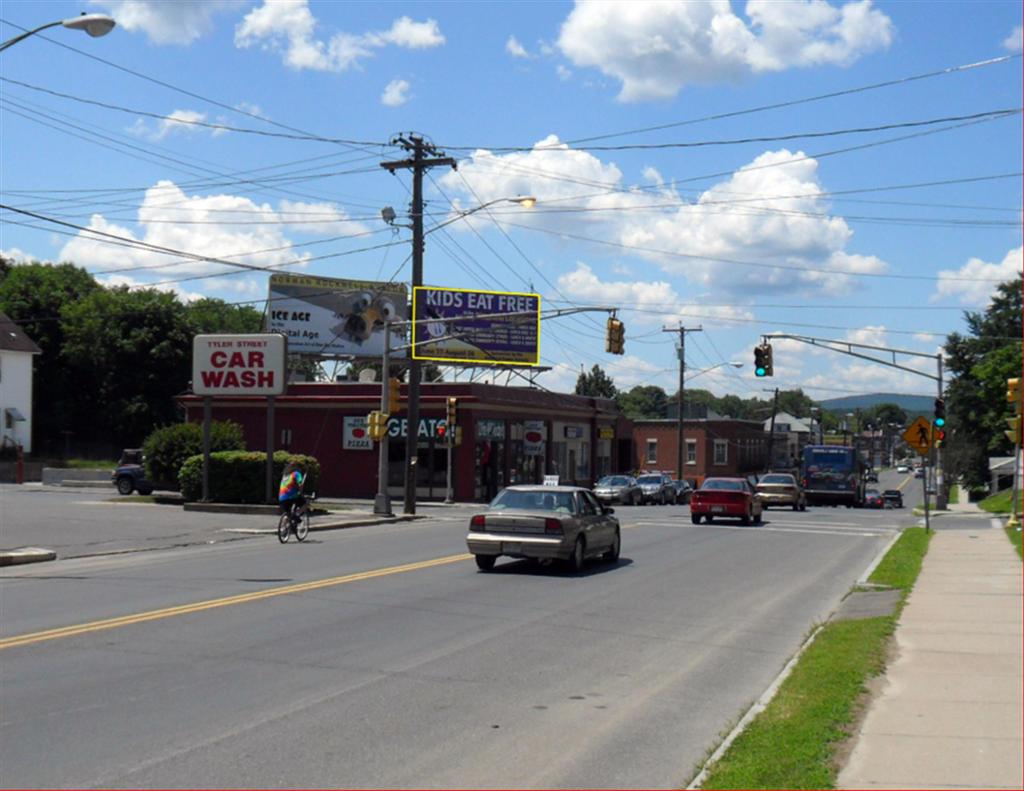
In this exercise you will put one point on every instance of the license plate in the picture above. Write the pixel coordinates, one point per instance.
(512, 546)
(717, 509)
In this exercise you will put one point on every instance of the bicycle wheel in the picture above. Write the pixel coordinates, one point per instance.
(302, 525)
(284, 527)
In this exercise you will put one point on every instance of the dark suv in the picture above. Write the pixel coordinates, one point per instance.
(130, 475)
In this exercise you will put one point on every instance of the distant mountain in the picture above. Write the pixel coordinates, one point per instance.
(908, 403)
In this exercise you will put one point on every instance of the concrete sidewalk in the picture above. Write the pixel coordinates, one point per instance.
(950, 709)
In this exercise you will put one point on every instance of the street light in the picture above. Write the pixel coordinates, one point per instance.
(713, 367)
(526, 201)
(95, 25)
(680, 403)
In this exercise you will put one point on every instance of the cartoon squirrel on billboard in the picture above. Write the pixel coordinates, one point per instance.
(361, 312)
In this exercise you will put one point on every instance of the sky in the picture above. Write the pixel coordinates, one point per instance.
(837, 170)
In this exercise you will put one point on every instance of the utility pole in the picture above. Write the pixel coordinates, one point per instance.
(771, 431)
(680, 457)
(418, 163)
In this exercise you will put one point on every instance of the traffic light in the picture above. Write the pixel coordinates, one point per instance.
(442, 431)
(615, 341)
(760, 366)
(939, 437)
(1014, 434)
(378, 424)
(940, 413)
(453, 410)
(394, 390)
(1013, 393)
(769, 365)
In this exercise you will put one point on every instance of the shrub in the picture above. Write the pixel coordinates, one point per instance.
(167, 448)
(240, 476)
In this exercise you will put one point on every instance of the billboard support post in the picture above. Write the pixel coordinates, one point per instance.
(382, 502)
(207, 417)
(269, 498)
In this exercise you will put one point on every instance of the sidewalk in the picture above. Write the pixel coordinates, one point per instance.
(950, 708)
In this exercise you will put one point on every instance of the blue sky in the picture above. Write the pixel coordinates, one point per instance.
(667, 183)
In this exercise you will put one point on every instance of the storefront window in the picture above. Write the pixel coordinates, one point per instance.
(652, 451)
(691, 451)
(721, 451)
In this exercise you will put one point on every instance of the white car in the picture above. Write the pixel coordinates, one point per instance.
(903, 468)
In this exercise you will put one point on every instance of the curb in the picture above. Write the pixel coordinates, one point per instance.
(15, 557)
(330, 525)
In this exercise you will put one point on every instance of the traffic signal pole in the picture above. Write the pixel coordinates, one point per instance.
(940, 489)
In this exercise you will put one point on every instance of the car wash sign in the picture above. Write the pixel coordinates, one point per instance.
(231, 365)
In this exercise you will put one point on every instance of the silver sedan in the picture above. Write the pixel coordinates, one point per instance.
(544, 523)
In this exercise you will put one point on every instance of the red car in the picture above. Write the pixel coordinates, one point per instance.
(733, 497)
(873, 499)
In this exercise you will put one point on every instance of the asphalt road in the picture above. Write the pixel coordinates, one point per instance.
(380, 656)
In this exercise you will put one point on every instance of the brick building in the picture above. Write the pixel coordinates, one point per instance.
(508, 435)
(715, 446)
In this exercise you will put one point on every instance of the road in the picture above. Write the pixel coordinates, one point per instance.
(380, 656)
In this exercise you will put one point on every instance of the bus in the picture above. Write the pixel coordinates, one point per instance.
(833, 475)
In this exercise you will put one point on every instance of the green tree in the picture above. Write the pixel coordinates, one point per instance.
(979, 363)
(643, 401)
(34, 295)
(132, 353)
(596, 384)
(210, 316)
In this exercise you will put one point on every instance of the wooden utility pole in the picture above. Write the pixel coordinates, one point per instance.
(418, 163)
(680, 439)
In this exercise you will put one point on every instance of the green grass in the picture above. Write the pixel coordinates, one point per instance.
(1014, 534)
(793, 742)
(89, 464)
(954, 495)
(998, 503)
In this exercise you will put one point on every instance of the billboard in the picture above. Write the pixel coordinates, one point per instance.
(462, 325)
(331, 317)
(239, 364)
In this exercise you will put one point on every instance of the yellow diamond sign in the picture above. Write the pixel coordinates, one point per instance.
(919, 436)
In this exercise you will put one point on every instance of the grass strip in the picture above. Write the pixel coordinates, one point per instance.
(954, 495)
(1014, 534)
(793, 742)
(998, 503)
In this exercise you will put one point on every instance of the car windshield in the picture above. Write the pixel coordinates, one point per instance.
(534, 500)
(892, 493)
(649, 479)
(777, 479)
(613, 480)
(721, 483)
(872, 492)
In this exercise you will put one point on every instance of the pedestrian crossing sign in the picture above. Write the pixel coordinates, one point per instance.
(919, 436)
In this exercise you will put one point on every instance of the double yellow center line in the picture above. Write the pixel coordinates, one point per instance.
(212, 604)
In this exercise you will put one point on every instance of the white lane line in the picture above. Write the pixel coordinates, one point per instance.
(811, 529)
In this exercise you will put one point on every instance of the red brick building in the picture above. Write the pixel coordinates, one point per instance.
(714, 446)
(508, 435)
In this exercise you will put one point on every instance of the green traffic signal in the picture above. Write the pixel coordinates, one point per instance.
(760, 371)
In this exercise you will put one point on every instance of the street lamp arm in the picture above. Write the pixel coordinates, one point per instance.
(528, 202)
(95, 25)
(12, 41)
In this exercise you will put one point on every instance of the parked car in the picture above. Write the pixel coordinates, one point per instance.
(893, 498)
(544, 523)
(919, 472)
(781, 488)
(733, 497)
(873, 499)
(130, 475)
(619, 489)
(657, 488)
(871, 476)
(683, 491)
(903, 468)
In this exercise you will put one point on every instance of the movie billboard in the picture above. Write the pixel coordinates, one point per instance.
(467, 326)
(331, 317)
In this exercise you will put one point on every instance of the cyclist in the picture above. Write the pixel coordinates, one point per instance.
(290, 498)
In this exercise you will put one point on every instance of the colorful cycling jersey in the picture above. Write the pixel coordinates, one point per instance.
(291, 486)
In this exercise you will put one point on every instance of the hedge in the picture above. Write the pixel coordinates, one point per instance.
(238, 476)
(166, 449)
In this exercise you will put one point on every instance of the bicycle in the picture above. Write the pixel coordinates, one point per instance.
(294, 520)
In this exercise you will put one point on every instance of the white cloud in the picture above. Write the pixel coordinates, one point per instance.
(321, 218)
(1015, 41)
(113, 281)
(563, 73)
(180, 121)
(17, 255)
(180, 22)
(224, 230)
(770, 214)
(288, 26)
(515, 49)
(395, 94)
(655, 48)
(976, 281)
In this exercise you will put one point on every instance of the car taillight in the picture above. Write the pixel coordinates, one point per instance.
(477, 522)
(805, 483)
(552, 525)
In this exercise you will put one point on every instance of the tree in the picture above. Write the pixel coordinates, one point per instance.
(644, 401)
(596, 384)
(132, 353)
(210, 316)
(979, 364)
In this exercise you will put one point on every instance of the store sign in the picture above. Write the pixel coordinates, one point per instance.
(606, 432)
(460, 325)
(490, 429)
(535, 434)
(356, 435)
(399, 427)
(326, 316)
(551, 480)
(228, 365)
(573, 432)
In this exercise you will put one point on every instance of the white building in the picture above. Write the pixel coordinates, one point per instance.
(16, 351)
(791, 435)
